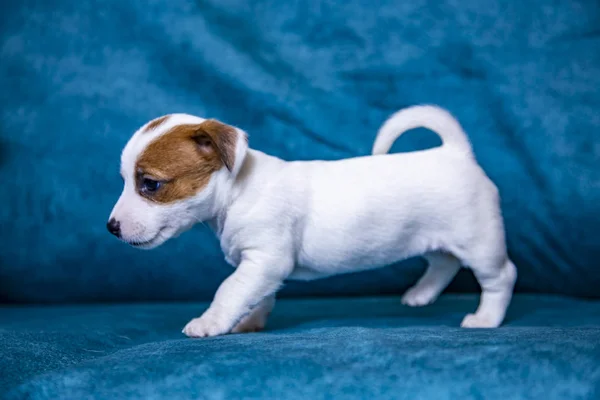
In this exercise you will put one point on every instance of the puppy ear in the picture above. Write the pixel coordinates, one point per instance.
(229, 142)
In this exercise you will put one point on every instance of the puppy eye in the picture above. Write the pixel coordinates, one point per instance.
(150, 185)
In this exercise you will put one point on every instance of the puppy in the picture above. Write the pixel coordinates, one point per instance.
(279, 220)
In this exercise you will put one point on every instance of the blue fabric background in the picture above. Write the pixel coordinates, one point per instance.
(311, 79)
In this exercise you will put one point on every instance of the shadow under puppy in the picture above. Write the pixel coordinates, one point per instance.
(280, 220)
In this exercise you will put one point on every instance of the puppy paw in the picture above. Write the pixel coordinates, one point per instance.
(479, 321)
(249, 326)
(418, 297)
(252, 323)
(205, 326)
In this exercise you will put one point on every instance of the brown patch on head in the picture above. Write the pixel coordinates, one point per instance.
(184, 158)
(155, 123)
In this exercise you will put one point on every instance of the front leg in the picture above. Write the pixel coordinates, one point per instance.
(251, 283)
(257, 319)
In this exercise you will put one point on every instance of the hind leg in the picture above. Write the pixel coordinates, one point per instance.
(497, 280)
(441, 270)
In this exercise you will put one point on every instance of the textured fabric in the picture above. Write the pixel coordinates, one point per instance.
(371, 348)
(307, 80)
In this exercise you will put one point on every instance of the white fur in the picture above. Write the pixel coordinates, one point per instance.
(281, 220)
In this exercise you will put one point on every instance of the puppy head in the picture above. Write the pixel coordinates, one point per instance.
(172, 170)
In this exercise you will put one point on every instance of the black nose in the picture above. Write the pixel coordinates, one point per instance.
(114, 227)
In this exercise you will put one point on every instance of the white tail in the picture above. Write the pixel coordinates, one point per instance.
(431, 117)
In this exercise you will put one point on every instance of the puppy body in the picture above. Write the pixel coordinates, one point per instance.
(280, 220)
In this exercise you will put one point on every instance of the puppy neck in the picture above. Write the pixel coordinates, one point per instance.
(247, 184)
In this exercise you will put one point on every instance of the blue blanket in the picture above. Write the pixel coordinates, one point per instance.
(311, 79)
(370, 348)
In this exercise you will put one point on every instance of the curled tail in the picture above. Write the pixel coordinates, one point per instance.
(431, 117)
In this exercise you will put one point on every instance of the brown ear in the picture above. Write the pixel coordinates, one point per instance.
(213, 134)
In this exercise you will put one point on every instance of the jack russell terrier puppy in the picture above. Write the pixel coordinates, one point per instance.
(279, 220)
